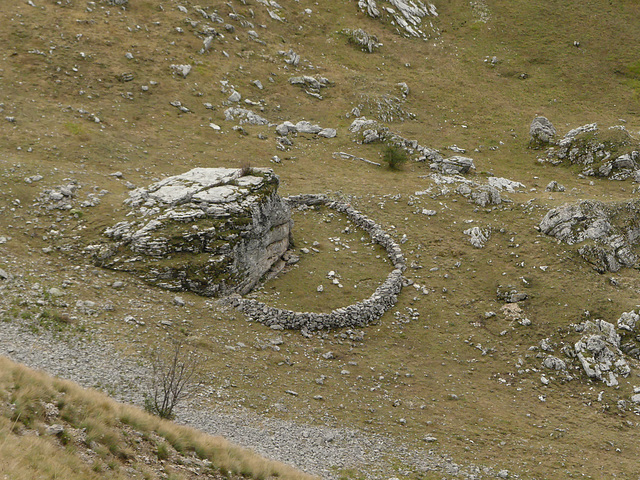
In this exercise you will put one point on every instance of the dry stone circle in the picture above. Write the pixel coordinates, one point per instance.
(360, 314)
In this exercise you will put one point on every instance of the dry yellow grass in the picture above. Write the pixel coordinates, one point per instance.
(104, 439)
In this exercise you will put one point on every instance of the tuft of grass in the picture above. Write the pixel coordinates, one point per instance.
(632, 70)
(53, 320)
(73, 128)
(162, 451)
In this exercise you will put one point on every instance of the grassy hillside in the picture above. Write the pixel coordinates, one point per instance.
(51, 428)
(470, 380)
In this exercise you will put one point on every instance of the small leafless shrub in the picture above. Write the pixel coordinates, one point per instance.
(246, 169)
(173, 379)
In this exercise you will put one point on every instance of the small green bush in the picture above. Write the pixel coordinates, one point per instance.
(395, 157)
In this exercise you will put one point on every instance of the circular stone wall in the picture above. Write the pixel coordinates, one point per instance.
(358, 314)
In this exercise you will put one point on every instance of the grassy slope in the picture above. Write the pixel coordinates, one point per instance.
(100, 438)
(498, 418)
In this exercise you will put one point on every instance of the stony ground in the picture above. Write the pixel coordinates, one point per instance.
(318, 450)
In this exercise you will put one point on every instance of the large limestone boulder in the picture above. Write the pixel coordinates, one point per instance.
(212, 231)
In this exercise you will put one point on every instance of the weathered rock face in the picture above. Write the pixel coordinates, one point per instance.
(541, 132)
(599, 352)
(367, 42)
(608, 233)
(611, 153)
(407, 16)
(210, 230)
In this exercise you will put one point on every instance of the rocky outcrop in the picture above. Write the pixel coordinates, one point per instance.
(210, 230)
(554, 363)
(244, 116)
(629, 330)
(510, 294)
(365, 41)
(303, 126)
(370, 131)
(611, 153)
(604, 351)
(311, 85)
(453, 165)
(482, 195)
(542, 133)
(607, 233)
(505, 184)
(478, 236)
(599, 352)
(359, 314)
(554, 186)
(407, 16)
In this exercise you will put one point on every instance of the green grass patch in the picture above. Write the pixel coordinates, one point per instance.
(74, 128)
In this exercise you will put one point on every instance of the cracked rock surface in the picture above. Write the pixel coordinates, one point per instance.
(210, 230)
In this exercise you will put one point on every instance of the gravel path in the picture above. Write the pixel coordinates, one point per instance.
(317, 450)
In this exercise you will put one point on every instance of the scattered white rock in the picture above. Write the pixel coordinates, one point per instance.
(504, 184)
(478, 236)
(183, 70)
(55, 292)
(179, 301)
(243, 116)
